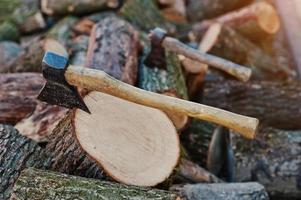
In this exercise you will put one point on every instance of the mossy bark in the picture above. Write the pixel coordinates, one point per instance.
(275, 104)
(32, 184)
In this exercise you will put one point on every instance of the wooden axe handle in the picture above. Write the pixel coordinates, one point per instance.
(100, 81)
(238, 71)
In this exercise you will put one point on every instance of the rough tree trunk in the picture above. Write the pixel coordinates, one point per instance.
(274, 160)
(18, 94)
(123, 55)
(17, 153)
(32, 184)
(169, 81)
(233, 46)
(275, 104)
(199, 9)
(220, 191)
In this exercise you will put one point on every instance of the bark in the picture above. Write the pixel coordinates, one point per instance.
(18, 94)
(9, 54)
(77, 7)
(233, 46)
(274, 160)
(79, 50)
(143, 14)
(198, 9)
(275, 104)
(169, 81)
(17, 153)
(256, 21)
(32, 184)
(222, 191)
(118, 59)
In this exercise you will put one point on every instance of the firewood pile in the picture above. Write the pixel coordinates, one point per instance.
(160, 141)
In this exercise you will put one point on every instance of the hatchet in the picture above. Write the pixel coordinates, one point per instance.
(160, 40)
(62, 79)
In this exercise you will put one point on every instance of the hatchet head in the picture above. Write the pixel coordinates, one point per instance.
(156, 57)
(57, 90)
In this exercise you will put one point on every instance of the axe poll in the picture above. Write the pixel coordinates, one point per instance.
(61, 79)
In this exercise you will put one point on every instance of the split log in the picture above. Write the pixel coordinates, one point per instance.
(276, 104)
(8, 31)
(222, 191)
(274, 160)
(118, 59)
(78, 7)
(256, 21)
(18, 94)
(233, 46)
(9, 54)
(32, 184)
(198, 10)
(17, 153)
(174, 11)
(143, 14)
(169, 81)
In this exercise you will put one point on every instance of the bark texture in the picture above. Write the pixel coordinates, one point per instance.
(144, 14)
(9, 54)
(199, 9)
(274, 160)
(16, 153)
(113, 48)
(275, 104)
(221, 191)
(32, 184)
(18, 94)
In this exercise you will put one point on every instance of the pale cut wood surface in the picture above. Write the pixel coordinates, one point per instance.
(99, 81)
(136, 145)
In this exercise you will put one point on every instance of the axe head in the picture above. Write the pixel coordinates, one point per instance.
(57, 90)
(156, 57)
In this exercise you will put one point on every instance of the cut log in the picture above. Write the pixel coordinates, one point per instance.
(32, 184)
(143, 14)
(78, 7)
(255, 21)
(198, 10)
(222, 191)
(233, 46)
(276, 104)
(174, 11)
(9, 54)
(17, 153)
(169, 81)
(18, 94)
(274, 160)
(118, 59)
(131, 141)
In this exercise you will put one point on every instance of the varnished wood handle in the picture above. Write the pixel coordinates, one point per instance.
(100, 81)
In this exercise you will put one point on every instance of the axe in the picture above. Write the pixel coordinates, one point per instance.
(156, 58)
(61, 79)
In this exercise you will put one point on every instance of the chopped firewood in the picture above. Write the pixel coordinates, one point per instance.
(169, 81)
(276, 104)
(126, 147)
(78, 7)
(233, 46)
(174, 11)
(274, 160)
(18, 94)
(198, 10)
(222, 191)
(255, 21)
(9, 54)
(123, 54)
(32, 183)
(17, 153)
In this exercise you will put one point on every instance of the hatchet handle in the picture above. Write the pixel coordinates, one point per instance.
(100, 81)
(238, 71)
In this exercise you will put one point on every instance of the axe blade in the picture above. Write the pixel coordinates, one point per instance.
(57, 90)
